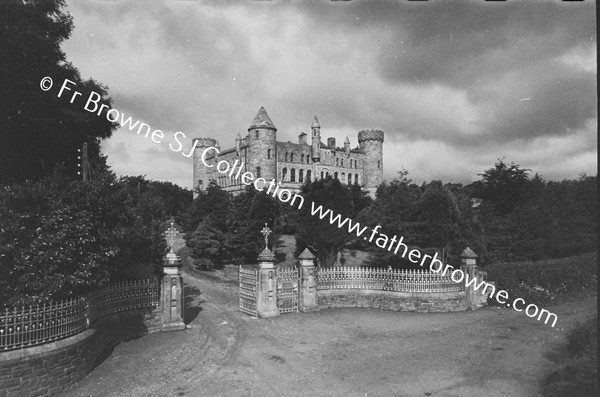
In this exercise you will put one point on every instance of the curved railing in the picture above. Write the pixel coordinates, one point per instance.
(385, 280)
(36, 325)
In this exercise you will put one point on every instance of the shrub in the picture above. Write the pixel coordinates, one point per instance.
(542, 282)
(577, 375)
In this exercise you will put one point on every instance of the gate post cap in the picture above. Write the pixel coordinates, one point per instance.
(306, 254)
(266, 255)
(468, 254)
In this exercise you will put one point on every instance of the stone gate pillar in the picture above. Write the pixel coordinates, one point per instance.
(307, 298)
(172, 288)
(469, 267)
(266, 294)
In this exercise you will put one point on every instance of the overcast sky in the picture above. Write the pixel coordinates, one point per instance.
(454, 85)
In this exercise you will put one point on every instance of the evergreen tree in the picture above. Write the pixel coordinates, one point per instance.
(41, 131)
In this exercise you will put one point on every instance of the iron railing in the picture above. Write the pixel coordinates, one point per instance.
(36, 325)
(386, 280)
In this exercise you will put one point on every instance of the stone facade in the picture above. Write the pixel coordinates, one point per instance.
(292, 164)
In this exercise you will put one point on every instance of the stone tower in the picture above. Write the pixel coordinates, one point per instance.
(200, 171)
(262, 146)
(371, 143)
(316, 140)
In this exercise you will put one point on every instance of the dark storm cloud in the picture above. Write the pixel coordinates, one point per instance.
(453, 84)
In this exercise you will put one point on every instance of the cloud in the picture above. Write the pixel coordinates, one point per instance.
(444, 80)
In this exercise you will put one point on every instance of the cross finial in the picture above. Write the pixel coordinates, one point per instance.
(170, 234)
(266, 231)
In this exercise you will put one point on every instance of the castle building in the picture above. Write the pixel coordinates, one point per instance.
(292, 164)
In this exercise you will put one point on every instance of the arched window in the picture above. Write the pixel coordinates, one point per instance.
(343, 178)
(258, 172)
(342, 162)
(292, 157)
(293, 175)
(268, 153)
(350, 163)
(302, 158)
(301, 176)
(322, 175)
(308, 176)
(356, 164)
(356, 179)
(286, 156)
(337, 162)
(326, 174)
(335, 175)
(349, 178)
(283, 174)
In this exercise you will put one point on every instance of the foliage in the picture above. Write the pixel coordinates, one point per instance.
(578, 374)
(40, 130)
(214, 203)
(504, 186)
(207, 242)
(546, 281)
(555, 219)
(323, 238)
(60, 237)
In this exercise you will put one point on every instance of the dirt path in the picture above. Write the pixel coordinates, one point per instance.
(335, 352)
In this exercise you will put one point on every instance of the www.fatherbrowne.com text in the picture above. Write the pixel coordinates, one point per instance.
(383, 241)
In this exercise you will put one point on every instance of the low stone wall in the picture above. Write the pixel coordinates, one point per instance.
(393, 300)
(48, 369)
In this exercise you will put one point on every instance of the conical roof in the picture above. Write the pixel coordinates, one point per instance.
(468, 253)
(315, 123)
(262, 120)
(347, 140)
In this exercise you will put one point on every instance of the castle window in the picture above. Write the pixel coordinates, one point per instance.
(350, 163)
(302, 158)
(293, 175)
(286, 156)
(258, 172)
(335, 175)
(342, 162)
(356, 164)
(307, 159)
(379, 164)
(308, 176)
(292, 157)
(337, 162)
(356, 179)
(322, 175)
(343, 177)
(283, 174)
(269, 153)
(349, 178)
(301, 176)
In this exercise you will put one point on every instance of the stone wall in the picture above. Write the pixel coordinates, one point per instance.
(48, 369)
(392, 300)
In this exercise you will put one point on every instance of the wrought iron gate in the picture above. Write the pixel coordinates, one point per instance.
(287, 289)
(248, 286)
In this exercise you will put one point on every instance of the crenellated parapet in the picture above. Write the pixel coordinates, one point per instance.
(370, 135)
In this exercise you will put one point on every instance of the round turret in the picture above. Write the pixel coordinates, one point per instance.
(262, 147)
(371, 143)
(200, 181)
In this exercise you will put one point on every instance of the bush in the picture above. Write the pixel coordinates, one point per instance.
(577, 375)
(545, 281)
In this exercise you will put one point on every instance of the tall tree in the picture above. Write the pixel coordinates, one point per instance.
(40, 131)
(504, 186)
(319, 235)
